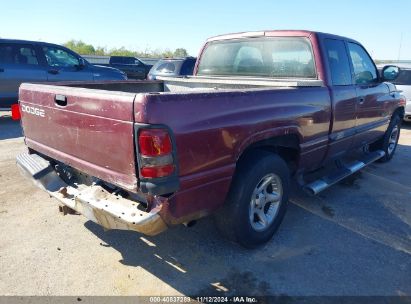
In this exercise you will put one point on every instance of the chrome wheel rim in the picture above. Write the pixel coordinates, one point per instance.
(392, 141)
(265, 202)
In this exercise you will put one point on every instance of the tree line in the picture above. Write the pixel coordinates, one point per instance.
(83, 48)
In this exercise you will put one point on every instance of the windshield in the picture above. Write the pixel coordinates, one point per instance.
(283, 57)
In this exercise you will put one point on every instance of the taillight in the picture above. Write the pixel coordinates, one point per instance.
(155, 148)
(154, 142)
(15, 112)
(157, 171)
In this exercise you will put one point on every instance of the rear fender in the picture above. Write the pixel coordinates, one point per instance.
(265, 135)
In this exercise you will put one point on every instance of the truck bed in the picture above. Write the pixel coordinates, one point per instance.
(95, 132)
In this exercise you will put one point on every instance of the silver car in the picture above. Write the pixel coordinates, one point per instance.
(403, 83)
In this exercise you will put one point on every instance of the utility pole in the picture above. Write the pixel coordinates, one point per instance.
(399, 49)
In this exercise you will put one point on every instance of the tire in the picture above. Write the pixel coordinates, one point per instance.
(252, 222)
(389, 142)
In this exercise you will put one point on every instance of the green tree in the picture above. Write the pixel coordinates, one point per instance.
(101, 51)
(80, 47)
(83, 48)
(122, 52)
(180, 52)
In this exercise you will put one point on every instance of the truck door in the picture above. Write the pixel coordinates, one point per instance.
(64, 65)
(18, 63)
(372, 97)
(343, 96)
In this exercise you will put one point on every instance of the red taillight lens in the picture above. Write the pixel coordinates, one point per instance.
(155, 147)
(160, 171)
(15, 112)
(154, 142)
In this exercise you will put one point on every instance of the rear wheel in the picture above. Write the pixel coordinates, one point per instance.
(257, 200)
(390, 140)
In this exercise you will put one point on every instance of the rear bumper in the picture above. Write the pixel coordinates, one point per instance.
(93, 201)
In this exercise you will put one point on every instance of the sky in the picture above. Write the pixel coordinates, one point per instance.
(383, 27)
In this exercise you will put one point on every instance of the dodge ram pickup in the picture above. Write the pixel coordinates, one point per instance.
(261, 108)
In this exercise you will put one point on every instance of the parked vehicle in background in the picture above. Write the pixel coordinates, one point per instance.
(105, 60)
(403, 83)
(31, 61)
(170, 67)
(132, 66)
(262, 107)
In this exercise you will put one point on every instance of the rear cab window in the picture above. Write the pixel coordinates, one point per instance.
(18, 54)
(277, 57)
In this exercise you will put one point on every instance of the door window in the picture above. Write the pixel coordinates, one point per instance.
(128, 60)
(60, 58)
(338, 62)
(364, 69)
(17, 54)
(137, 62)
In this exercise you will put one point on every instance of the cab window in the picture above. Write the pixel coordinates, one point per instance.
(338, 62)
(57, 57)
(365, 71)
(18, 54)
(283, 57)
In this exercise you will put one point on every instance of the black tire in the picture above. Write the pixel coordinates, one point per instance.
(386, 143)
(234, 218)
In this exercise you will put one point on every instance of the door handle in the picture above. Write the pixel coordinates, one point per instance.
(54, 72)
(1, 70)
(60, 100)
(361, 99)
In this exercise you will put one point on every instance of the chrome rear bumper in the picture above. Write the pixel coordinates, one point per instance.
(93, 201)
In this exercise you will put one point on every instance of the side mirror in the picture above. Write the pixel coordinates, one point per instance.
(390, 72)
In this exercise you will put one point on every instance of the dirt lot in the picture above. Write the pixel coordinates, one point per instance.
(353, 239)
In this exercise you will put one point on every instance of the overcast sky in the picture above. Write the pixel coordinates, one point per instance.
(382, 26)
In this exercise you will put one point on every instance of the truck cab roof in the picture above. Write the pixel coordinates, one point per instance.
(285, 33)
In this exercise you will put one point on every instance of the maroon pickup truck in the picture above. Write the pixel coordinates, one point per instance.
(262, 107)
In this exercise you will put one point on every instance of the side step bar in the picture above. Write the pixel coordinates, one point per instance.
(323, 183)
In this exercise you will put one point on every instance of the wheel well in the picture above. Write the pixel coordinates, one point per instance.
(399, 111)
(287, 147)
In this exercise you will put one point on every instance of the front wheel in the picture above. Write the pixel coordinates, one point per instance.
(257, 200)
(390, 140)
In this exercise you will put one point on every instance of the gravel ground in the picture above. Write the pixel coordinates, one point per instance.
(352, 239)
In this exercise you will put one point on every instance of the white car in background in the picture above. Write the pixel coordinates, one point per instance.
(403, 83)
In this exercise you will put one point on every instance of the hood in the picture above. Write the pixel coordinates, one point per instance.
(107, 73)
(105, 68)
